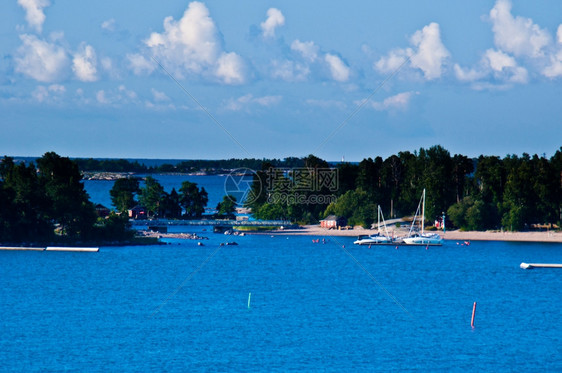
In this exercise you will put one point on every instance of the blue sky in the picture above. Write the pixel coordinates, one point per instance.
(218, 79)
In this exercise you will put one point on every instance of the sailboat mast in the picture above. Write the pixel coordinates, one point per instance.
(423, 211)
(379, 218)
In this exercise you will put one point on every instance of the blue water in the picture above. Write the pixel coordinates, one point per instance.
(314, 307)
(98, 190)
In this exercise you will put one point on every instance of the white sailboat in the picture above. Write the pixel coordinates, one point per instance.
(422, 238)
(377, 238)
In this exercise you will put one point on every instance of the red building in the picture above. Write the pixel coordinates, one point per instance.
(333, 222)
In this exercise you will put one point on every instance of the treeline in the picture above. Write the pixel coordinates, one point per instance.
(188, 166)
(154, 202)
(46, 202)
(476, 194)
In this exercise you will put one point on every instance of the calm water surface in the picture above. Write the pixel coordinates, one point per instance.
(314, 307)
(98, 190)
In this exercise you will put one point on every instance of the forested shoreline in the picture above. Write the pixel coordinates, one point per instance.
(511, 193)
(45, 200)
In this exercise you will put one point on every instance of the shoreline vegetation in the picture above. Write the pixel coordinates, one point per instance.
(484, 198)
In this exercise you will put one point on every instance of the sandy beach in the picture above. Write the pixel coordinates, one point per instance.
(315, 230)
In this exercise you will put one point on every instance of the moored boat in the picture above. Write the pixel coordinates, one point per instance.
(422, 238)
(377, 238)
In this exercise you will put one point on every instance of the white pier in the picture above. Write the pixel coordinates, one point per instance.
(88, 249)
(539, 265)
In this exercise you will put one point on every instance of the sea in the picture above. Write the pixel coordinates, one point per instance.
(281, 303)
(216, 186)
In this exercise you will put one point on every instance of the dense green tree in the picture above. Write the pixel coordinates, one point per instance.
(171, 207)
(412, 186)
(26, 208)
(392, 175)
(7, 214)
(272, 211)
(436, 180)
(486, 193)
(354, 205)
(113, 228)
(462, 167)
(123, 193)
(227, 206)
(192, 199)
(70, 206)
(489, 183)
(347, 173)
(151, 196)
(556, 162)
(468, 214)
(36, 203)
(257, 195)
(369, 177)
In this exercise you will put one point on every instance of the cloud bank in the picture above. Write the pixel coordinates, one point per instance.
(190, 47)
(34, 12)
(427, 54)
(40, 60)
(274, 19)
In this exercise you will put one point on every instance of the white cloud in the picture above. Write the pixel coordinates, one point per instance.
(468, 75)
(52, 92)
(401, 101)
(34, 12)
(327, 104)
(498, 60)
(516, 38)
(106, 63)
(554, 69)
(517, 35)
(289, 71)
(101, 97)
(391, 62)
(40, 60)
(429, 54)
(505, 67)
(129, 94)
(40, 93)
(495, 63)
(190, 42)
(57, 88)
(338, 69)
(554, 64)
(230, 68)
(140, 64)
(246, 101)
(159, 96)
(108, 25)
(191, 46)
(307, 49)
(116, 97)
(84, 63)
(274, 19)
(307, 59)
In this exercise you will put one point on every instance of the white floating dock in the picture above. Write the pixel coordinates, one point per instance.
(539, 265)
(22, 248)
(88, 249)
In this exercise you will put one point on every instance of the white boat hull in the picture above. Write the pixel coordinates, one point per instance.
(373, 241)
(433, 239)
